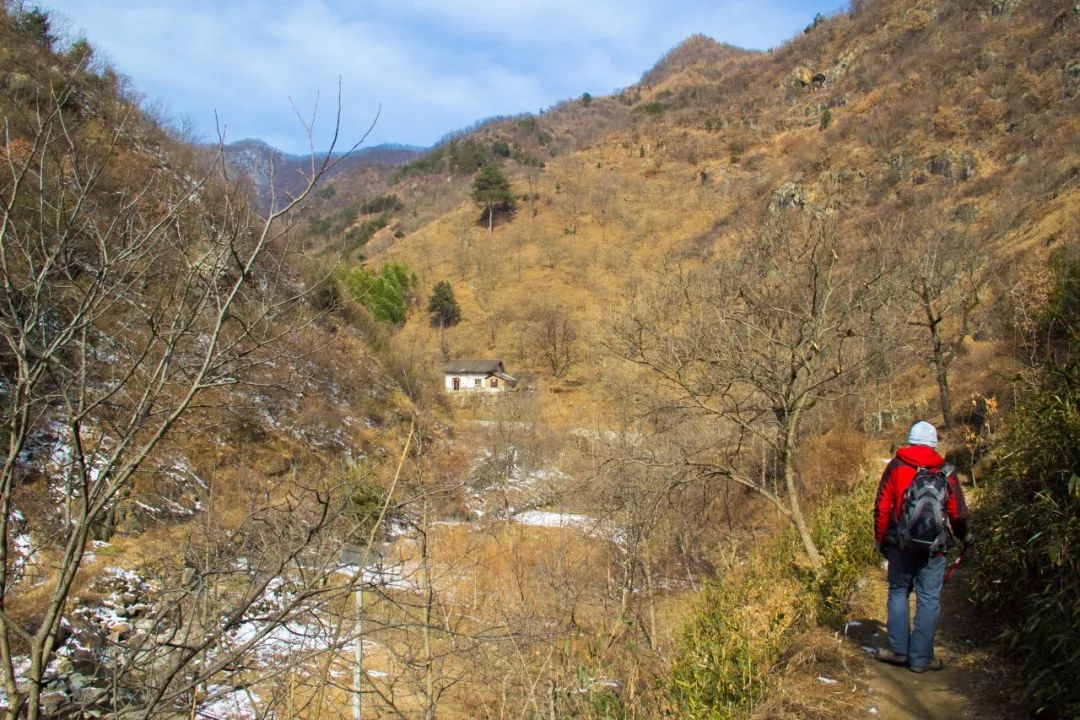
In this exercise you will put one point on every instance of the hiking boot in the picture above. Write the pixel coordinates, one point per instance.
(934, 664)
(888, 656)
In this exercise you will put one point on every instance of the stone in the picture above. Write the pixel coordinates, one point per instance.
(789, 195)
(118, 630)
(968, 164)
(52, 702)
(999, 8)
(802, 76)
(64, 666)
(941, 165)
(966, 213)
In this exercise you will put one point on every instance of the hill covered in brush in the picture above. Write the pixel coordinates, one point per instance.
(726, 291)
(756, 270)
(183, 424)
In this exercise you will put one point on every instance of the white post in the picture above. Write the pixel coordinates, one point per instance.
(358, 652)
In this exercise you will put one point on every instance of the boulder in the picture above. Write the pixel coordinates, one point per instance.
(52, 702)
(968, 164)
(941, 164)
(999, 8)
(789, 195)
(119, 630)
(802, 76)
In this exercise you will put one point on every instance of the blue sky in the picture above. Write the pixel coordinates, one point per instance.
(433, 65)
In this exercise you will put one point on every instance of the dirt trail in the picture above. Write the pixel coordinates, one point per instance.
(973, 682)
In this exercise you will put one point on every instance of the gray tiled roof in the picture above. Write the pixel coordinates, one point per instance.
(474, 366)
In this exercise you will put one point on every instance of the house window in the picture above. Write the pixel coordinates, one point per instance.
(478, 383)
(457, 383)
(494, 382)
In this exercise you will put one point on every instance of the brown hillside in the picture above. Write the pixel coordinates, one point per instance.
(230, 469)
(899, 111)
(698, 51)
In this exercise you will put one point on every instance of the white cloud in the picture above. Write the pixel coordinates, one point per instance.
(434, 65)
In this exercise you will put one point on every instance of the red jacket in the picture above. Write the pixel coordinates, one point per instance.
(895, 481)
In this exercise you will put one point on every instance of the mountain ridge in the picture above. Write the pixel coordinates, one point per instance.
(277, 176)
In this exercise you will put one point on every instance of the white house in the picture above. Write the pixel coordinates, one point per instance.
(476, 376)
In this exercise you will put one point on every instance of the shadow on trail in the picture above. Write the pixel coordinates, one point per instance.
(973, 682)
(896, 683)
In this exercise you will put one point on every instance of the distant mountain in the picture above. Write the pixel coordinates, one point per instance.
(281, 175)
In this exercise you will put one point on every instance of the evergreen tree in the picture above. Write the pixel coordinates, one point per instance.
(443, 307)
(491, 191)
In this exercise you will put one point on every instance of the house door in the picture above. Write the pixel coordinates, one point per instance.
(457, 383)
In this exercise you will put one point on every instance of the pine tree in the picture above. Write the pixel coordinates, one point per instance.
(491, 190)
(443, 307)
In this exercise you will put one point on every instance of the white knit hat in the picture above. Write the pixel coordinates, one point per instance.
(922, 433)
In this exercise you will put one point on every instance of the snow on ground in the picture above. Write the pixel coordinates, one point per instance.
(224, 702)
(288, 639)
(543, 518)
(610, 437)
(179, 469)
(398, 576)
(23, 544)
(582, 523)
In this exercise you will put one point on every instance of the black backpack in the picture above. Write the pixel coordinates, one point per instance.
(922, 526)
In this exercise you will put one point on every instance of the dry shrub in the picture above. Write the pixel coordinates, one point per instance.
(515, 570)
(916, 20)
(799, 148)
(831, 462)
(948, 121)
(991, 113)
(913, 83)
(1037, 91)
(800, 692)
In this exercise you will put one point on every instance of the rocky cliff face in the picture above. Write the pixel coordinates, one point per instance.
(277, 177)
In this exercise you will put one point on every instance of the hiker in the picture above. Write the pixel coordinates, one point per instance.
(919, 506)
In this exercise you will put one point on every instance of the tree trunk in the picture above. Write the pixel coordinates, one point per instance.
(942, 368)
(429, 602)
(793, 495)
(491, 220)
(650, 591)
(940, 358)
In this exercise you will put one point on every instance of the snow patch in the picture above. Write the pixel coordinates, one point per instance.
(225, 702)
(582, 523)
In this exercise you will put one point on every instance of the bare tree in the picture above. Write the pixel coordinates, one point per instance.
(947, 273)
(555, 339)
(132, 294)
(605, 203)
(573, 194)
(737, 354)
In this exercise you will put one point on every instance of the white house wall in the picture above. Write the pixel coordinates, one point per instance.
(468, 383)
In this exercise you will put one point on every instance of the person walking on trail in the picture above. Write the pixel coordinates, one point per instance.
(919, 508)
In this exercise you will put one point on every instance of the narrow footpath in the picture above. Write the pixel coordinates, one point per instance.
(973, 682)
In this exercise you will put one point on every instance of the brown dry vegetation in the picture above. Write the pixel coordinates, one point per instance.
(988, 147)
(932, 119)
(926, 120)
